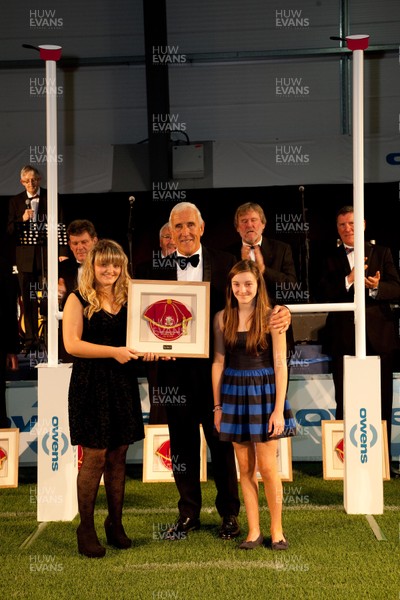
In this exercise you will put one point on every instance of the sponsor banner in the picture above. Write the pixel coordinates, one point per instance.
(57, 459)
(363, 480)
(311, 398)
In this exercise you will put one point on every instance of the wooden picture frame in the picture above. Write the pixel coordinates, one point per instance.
(157, 463)
(9, 458)
(333, 450)
(284, 459)
(169, 318)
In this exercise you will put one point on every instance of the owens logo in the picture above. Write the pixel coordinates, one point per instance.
(55, 443)
(367, 437)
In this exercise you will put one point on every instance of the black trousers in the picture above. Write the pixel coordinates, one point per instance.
(186, 389)
(4, 423)
(29, 284)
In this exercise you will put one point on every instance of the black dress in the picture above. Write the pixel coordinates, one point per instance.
(248, 396)
(103, 400)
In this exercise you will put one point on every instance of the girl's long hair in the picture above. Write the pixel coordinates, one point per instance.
(256, 340)
(105, 252)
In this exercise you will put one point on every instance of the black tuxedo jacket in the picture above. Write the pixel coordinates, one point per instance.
(27, 258)
(68, 270)
(279, 267)
(380, 329)
(8, 311)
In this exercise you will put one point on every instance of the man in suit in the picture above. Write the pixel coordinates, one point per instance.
(9, 333)
(190, 380)
(81, 236)
(167, 244)
(382, 286)
(144, 269)
(274, 258)
(27, 215)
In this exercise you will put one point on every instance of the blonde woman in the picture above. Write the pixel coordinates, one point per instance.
(104, 404)
(249, 376)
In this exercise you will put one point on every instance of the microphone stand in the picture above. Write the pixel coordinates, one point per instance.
(130, 235)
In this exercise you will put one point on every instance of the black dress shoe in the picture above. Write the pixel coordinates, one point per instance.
(229, 528)
(394, 472)
(251, 545)
(181, 528)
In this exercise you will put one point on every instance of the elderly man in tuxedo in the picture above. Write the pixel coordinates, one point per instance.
(27, 213)
(193, 261)
(382, 286)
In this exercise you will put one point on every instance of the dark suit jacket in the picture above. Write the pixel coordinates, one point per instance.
(68, 270)
(27, 258)
(279, 268)
(8, 310)
(279, 276)
(380, 330)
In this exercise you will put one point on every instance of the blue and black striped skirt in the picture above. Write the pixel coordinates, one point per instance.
(248, 399)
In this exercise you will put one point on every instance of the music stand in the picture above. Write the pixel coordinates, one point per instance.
(35, 234)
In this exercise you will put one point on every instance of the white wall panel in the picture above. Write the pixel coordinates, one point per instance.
(212, 26)
(96, 105)
(222, 101)
(257, 102)
(84, 28)
(379, 19)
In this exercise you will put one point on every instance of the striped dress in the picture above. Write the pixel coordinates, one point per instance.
(248, 396)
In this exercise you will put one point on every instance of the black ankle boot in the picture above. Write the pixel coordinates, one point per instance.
(88, 542)
(116, 535)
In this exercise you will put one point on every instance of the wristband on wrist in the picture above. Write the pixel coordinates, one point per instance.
(217, 407)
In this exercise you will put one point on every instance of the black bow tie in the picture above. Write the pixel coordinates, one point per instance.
(183, 261)
(348, 249)
(33, 197)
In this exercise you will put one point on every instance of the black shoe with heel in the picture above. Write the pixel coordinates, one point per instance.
(88, 543)
(116, 535)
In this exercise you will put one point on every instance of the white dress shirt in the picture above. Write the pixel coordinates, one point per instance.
(251, 253)
(191, 273)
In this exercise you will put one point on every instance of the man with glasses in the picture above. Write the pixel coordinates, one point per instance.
(27, 214)
(159, 260)
(167, 244)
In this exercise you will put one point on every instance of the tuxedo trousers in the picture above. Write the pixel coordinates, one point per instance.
(185, 387)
